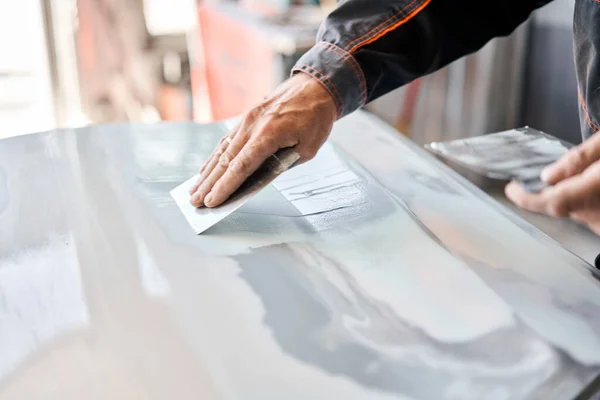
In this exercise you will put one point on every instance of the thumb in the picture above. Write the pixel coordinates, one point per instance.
(573, 162)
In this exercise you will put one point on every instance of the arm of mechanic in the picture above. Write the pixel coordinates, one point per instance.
(365, 49)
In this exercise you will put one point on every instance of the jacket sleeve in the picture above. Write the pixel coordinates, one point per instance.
(366, 48)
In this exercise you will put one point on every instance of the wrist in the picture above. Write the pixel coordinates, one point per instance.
(319, 96)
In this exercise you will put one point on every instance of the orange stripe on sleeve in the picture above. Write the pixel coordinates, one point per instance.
(373, 34)
(588, 119)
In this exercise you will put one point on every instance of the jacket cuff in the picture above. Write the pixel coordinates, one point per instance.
(339, 72)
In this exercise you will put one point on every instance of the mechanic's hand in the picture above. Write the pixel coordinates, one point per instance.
(299, 114)
(576, 190)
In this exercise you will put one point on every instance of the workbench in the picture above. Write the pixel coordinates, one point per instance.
(430, 289)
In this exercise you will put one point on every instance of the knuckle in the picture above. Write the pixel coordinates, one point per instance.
(207, 171)
(577, 218)
(577, 158)
(204, 187)
(522, 202)
(240, 166)
(267, 142)
(271, 125)
(276, 110)
(222, 147)
(288, 141)
(219, 151)
(254, 113)
(557, 208)
(517, 200)
(308, 154)
(225, 159)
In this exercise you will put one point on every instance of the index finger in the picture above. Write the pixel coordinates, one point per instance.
(529, 201)
(574, 161)
(557, 201)
(210, 163)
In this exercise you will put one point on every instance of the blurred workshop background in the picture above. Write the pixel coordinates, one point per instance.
(68, 63)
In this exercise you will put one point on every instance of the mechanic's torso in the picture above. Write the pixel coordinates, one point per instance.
(586, 27)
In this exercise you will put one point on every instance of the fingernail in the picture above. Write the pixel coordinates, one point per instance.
(195, 186)
(208, 200)
(508, 190)
(545, 175)
(196, 198)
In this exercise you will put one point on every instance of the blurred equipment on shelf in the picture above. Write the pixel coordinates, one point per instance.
(238, 57)
(174, 95)
(127, 53)
(98, 61)
(274, 7)
(117, 70)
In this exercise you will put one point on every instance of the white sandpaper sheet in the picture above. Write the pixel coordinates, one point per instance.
(323, 184)
(200, 219)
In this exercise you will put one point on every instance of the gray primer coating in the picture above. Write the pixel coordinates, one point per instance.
(429, 290)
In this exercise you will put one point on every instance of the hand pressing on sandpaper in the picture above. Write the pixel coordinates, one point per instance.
(298, 115)
(576, 187)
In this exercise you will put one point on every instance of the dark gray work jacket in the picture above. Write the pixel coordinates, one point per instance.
(367, 48)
